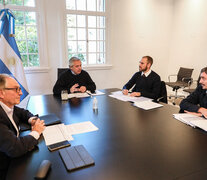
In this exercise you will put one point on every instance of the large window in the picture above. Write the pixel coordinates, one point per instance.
(25, 12)
(86, 30)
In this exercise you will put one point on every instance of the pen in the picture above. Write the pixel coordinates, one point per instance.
(89, 93)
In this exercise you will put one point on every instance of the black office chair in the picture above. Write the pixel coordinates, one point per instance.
(163, 93)
(189, 89)
(60, 71)
(183, 80)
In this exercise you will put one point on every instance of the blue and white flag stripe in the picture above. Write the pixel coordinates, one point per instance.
(10, 59)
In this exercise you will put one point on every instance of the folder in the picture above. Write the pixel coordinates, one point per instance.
(76, 157)
(50, 119)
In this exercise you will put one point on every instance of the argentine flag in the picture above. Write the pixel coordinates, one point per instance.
(10, 59)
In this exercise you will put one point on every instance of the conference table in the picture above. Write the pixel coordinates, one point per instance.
(131, 143)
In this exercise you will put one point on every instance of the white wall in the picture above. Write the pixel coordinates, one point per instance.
(189, 36)
(172, 32)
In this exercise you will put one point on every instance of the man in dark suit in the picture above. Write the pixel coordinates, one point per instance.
(74, 79)
(11, 144)
(196, 103)
(147, 82)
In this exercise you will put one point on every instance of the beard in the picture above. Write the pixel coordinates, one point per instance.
(144, 69)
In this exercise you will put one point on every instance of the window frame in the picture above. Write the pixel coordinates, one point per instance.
(87, 66)
(41, 37)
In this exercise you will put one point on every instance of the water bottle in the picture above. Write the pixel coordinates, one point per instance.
(95, 103)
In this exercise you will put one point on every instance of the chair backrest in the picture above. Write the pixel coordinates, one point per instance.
(60, 71)
(163, 93)
(184, 73)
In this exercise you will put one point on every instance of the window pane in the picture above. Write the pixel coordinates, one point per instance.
(91, 21)
(71, 20)
(71, 33)
(30, 18)
(81, 56)
(32, 47)
(19, 17)
(101, 46)
(81, 20)
(91, 58)
(33, 60)
(70, 4)
(92, 34)
(30, 3)
(100, 34)
(81, 46)
(15, 2)
(81, 4)
(24, 60)
(81, 34)
(31, 32)
(101, 22)
(20, 32)
(101, 58)
(101, 5)
(91, 5)
(22, 46)
(92, 46)
(72, 46)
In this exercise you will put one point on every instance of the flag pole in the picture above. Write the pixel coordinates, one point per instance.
(4, 4)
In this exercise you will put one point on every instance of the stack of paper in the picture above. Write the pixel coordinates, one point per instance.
(86, 94)
(97, 93)
(120, 96)
(146, 105)
(192, 120)
(82, 127)
(78, 95)
(58, 133)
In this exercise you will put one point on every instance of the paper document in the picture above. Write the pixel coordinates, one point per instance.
(146, 105)
(56, 133)
(78, 95)
(192, 120)
(82, 127)
(97, 93)
(120, 96)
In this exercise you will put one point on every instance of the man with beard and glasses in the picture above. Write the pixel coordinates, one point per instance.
(146, 82)
(196, 103)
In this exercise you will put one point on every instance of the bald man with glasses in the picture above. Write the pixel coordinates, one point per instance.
(11, 144)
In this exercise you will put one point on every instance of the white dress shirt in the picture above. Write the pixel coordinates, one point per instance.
(147, 73)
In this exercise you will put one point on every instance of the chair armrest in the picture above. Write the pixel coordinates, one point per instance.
(171, 76)
(188, 80)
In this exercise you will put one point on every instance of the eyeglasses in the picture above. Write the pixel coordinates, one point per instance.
(17, 89)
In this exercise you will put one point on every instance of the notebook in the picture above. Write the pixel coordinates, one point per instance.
(50, 119)
(76, 157)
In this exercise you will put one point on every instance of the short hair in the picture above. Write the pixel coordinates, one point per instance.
(149, 59)
(72, 59)
(204, 70)
(3, 78)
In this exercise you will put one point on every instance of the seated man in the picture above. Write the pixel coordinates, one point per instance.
(196, 103)
(11, 144)
(147, 82)
(75, 79)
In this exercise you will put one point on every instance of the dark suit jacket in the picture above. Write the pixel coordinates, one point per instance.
(11, 145)
(148, 86)
(195, 100)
